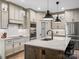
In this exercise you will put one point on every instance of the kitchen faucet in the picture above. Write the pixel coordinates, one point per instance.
(51, 33)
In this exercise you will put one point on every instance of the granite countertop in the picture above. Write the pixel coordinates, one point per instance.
(58, 43)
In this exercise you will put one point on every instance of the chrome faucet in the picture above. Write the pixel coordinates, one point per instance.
(51, 33)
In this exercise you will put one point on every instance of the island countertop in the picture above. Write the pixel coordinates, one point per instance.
(58, 43)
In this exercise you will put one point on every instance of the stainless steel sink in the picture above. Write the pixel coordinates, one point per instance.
(46, 39)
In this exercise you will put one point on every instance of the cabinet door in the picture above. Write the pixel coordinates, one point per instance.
(4, 7)
(76, 15)
(21, 44)
(53, 54)
(32, 52)
(16, 13)
(9, 47)
(0, 20)
(16, 45)
(11, 12)
(4, 19)
(69, 16)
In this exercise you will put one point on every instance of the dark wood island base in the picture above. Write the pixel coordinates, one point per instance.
(34, 52)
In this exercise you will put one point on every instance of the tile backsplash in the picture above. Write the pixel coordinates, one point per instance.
(15, 32)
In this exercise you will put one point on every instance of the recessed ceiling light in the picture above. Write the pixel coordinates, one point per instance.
(62, 8)
(22, 0)
(39, 8)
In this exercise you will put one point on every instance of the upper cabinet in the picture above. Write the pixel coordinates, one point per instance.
(35, 16)
(32, 16)
(3, 15)
(72, 15)
(4, 7)
(11, 11)
(16, 14)
(40, 16)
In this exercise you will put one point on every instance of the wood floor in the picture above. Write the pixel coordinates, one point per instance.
(76, 54)
(21, 55)
(17, 56)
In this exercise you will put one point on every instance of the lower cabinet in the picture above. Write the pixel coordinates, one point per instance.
(9, 47)
(32, 52)
(14, 45)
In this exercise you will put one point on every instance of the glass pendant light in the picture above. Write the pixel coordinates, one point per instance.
(48, 15)
(57, 18)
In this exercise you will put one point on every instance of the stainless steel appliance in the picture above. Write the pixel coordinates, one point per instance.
(72, 31)
(32, 31)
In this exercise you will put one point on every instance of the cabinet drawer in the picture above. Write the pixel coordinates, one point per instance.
(9, 42)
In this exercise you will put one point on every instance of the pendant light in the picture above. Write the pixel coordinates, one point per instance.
(48, 15)
(57, 18)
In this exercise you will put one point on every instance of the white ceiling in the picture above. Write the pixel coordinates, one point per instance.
(42, 4)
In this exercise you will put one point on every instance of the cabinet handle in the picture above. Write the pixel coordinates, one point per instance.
(43, 52)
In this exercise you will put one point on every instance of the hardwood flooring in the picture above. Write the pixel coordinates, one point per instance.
(17, 56)
(21, 55)
(76, 54)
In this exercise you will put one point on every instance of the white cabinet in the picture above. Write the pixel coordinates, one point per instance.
(76, 15)
(11, 12)
(21, 15)
(4, 15)
(15, 45)
(69, 16)
(32, 16)
(16, 14)
(0, 19)
(9, 47)
(4, 19)
(72, 15)
(4, 6)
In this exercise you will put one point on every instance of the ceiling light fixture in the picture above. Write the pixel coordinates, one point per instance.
(39, 8)
(48, 15)
(57, 18)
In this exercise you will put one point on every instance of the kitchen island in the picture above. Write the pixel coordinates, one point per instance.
(52, 49)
